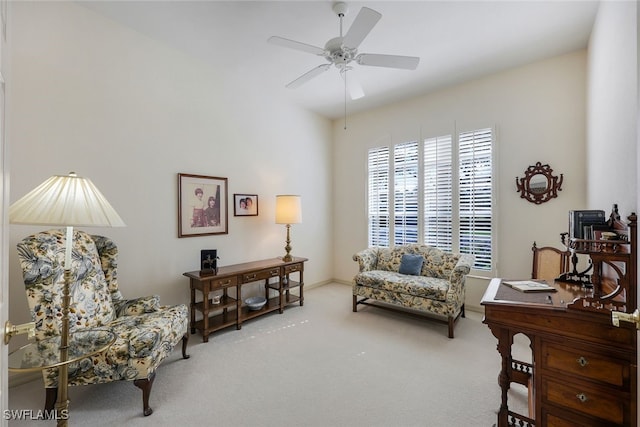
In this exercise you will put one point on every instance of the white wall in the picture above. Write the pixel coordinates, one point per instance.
(129, 113)
(539, 114)
(612, 132)
(613, 115)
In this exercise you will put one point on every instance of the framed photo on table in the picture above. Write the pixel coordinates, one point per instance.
(202, 205)
(245, 205)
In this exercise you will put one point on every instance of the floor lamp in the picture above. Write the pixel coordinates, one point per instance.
(69, 201)
(288, 211)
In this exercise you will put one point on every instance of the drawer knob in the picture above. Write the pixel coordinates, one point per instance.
(582, 397)
(582, 361)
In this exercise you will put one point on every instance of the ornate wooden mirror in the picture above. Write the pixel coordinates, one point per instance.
(539, 185)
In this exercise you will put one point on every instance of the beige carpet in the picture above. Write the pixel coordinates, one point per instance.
(317, 365)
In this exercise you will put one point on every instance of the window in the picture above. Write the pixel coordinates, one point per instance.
(476, 185)
(378, 196)
(445, 181)
(438, 192)
(405, 193)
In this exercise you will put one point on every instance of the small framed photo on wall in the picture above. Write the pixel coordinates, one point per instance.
(202, 205)
(245, 205)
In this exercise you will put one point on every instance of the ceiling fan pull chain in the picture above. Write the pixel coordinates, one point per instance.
(345, 99)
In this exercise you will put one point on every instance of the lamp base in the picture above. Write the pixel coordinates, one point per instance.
(288, 257)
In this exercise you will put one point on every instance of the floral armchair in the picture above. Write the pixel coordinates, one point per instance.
(145, 331)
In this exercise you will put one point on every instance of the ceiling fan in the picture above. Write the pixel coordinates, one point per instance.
(342, 51)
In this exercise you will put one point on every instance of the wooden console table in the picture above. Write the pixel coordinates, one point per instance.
(231, 309)
(584, 369)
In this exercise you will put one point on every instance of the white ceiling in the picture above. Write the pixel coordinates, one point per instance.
(455, 40)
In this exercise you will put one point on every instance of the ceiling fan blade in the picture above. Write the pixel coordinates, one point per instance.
(308, 76)
(353, 85)
(292, 44)
(362, 25)
(390, 61)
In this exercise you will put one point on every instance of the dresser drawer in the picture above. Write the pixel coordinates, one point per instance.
(292, 268)
(223, 282)
(604, 405)
(592, 366)
(566, 419)
(261, 274)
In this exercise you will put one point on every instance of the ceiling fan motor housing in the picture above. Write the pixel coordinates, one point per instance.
(339, 54)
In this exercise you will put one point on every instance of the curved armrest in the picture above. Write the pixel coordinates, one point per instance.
(457, 277)
(367, 259)
(136, 306)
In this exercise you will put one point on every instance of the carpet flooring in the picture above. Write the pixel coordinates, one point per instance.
(317, 365)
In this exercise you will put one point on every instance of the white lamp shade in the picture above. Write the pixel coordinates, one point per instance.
(288, 209)
(67, 201)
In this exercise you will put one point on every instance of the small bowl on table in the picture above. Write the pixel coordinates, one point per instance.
(255, 303)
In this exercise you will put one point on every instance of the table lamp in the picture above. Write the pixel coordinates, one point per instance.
(288, 211)
(69, 201)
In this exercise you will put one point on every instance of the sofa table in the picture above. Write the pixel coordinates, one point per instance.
(230, 310)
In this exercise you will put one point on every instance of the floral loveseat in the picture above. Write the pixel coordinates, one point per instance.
(145, 331)
(435, 286)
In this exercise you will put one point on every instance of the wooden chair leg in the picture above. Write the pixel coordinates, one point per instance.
(51, 395)
(185, 340)
(463, 314)
(355, 303)
(451, 322)
(145, 385)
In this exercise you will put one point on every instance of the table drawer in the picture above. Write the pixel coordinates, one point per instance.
(292, 268)
(602, 404)
(592, 366)
(261, 274)
(567, 419)
(223, 282)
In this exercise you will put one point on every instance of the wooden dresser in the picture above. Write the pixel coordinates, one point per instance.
(584, 369)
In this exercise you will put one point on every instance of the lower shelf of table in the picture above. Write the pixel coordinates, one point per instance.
(230, 318)
(271, 305)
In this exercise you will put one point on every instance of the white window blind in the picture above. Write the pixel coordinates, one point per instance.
(378, 196)
(475, 205)
(442, 194)
(438, 192)
(405, 193)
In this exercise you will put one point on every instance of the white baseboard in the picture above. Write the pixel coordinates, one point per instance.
(17, 379)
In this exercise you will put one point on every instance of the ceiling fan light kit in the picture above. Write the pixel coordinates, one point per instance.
(342, 51)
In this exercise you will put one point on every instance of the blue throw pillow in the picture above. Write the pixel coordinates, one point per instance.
(411, 264)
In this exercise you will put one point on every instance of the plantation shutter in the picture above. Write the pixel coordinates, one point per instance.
(438, 192)
(475, 180)
(378, 196)
(405, 194)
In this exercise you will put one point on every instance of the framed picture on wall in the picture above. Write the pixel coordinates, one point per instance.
(245, 205)
(202, 205)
